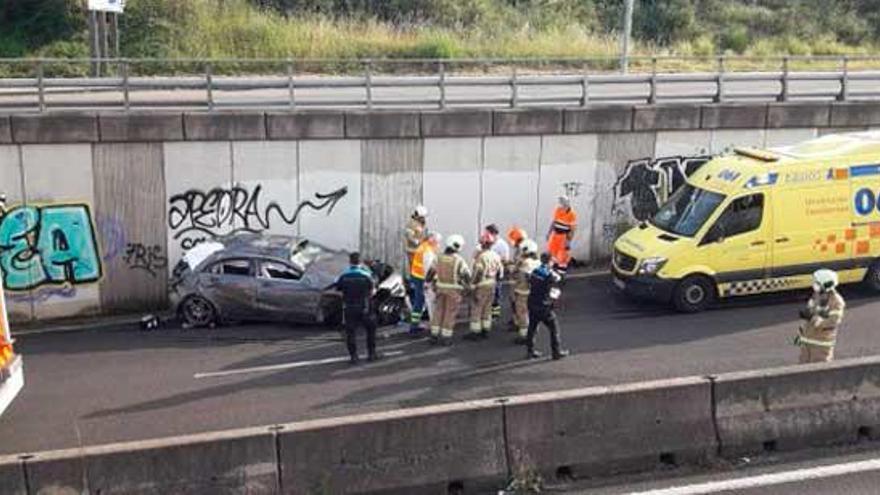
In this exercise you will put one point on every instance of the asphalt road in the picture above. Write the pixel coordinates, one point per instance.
(123, 384)
(848, 471)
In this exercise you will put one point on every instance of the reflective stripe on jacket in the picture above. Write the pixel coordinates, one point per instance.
(487, 268)
(420, 260)
(451, 272)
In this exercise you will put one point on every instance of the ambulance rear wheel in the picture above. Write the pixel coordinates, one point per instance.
(693, 294)
(872, 278)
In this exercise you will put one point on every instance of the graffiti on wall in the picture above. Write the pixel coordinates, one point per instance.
(196, 216)
(48, 245)
(646, 183)
(149, 259)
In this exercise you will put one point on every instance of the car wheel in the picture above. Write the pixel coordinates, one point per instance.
(872, 278)
(693, 294)
(197, 311)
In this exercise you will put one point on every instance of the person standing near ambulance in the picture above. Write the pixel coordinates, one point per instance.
(561, 234)
(486, 271)
(502, 249)
(527, 263)
(421, 262)
(449, 276)
(823, 315)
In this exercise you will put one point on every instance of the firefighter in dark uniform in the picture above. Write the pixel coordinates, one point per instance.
(357, 286)
(543, 293)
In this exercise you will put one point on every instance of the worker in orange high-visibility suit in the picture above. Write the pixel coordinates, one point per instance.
(561, 234)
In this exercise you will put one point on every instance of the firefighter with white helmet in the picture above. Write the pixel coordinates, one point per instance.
(822, 317)
(526, 264)
(449, 277)
(414, 234)
(486, 271)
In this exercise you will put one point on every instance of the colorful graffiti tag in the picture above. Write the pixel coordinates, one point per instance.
(48, 245)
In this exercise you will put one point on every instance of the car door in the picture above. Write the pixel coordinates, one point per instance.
(230, 283)
(737, 246)
(282, 294)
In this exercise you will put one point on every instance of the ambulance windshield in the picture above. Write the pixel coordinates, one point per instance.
(687, 210)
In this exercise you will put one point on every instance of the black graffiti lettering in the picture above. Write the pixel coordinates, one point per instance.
(196, 216)
(649, 182)
(147, 258)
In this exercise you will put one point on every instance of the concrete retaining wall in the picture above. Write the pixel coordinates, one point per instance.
(480, 445)
(134, 191)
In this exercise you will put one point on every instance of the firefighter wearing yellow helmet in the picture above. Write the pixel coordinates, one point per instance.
(822, 317)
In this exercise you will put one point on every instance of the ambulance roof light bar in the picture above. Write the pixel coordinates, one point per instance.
(754, 153)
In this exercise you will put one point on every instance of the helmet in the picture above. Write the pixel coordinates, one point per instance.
(529, 247)
(516, 235)
(420, 211)
(824, 280)
(455, 242)
(486, 240)
(565, 201)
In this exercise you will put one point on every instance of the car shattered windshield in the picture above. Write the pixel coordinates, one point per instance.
(304, 254)
(687, 210)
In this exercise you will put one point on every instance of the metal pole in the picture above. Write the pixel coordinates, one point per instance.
(442, 86)
(93, 43)
(291, 92)
(369, 81)
(585, 86)
(102, 43)
(209, 86)
(126, 97)
(625, 36)
(652, 97)
(719, 96)
(514, 90)
(115, 28)
(844, 80)
(783, 96)
(41, 90)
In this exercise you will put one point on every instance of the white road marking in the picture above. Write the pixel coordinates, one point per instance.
(282, 366)
(799, 475)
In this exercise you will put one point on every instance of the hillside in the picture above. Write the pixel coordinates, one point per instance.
(446, 28)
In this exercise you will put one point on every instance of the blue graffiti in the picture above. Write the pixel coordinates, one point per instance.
(48, 245)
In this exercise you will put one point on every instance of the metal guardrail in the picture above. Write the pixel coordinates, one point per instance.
(56, 84)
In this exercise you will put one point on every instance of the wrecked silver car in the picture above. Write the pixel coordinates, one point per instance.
(253, 277)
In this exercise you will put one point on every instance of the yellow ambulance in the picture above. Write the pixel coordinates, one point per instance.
(758, 221)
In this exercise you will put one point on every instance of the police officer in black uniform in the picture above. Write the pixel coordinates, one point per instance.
(543, 293)
(357, 286)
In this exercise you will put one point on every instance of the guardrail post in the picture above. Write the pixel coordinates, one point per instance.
(209, 86)
(442, 85)
(719, 96)
(41, 89)
(652, 96)
(291, 92)
(126, 97)
(514, 90)
(369, 84)
(783, 96)
(844, 80)
(585, 86)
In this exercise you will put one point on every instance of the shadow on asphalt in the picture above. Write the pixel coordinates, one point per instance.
(595, 320)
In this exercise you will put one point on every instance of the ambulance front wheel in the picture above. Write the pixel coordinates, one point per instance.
(872, 278)
(693, 294)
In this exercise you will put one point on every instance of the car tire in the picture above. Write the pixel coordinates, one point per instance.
(198, 312)
(872, 278)
(693, 294)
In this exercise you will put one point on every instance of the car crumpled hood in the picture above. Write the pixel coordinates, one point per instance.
(328, 266)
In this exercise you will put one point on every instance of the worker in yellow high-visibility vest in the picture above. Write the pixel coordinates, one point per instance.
(421, 262)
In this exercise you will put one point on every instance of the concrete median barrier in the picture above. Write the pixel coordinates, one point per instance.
(12, 476)
(798, 406)
(426, 450)
(231, 462)
(603, 430)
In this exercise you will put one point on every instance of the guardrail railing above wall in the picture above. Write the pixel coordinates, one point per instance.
(126, 84)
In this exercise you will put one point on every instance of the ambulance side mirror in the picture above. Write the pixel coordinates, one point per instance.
(715, 234)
